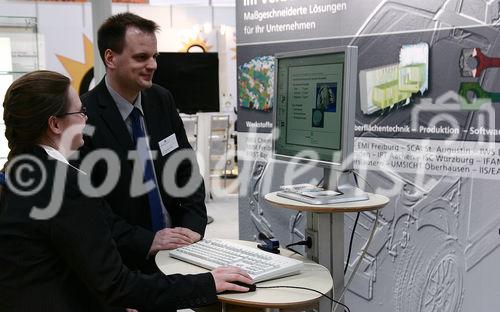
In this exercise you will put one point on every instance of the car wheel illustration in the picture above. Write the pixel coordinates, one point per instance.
(430, 274)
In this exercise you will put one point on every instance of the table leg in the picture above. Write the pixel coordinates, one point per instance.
(328, 250)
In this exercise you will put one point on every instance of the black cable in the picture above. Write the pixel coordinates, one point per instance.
(356, 175)
(294, 223)
(295, 219)
(307, 242)
(304, 288)
(293, 250)
(353, 229)
(320, 181)
(350, 243)
(296, 244)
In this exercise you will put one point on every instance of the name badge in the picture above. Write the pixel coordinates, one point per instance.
(168, 144)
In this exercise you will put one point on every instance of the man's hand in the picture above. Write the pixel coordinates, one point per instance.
(168, 239)
(194, 236)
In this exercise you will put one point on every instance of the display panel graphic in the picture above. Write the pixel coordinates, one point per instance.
(385, 86)
(256, 83)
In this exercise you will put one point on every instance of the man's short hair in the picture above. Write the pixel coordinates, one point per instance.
(111, 34)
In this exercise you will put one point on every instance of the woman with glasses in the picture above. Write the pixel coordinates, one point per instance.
(60, 255)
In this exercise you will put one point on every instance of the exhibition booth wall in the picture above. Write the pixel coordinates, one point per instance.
(426, 136)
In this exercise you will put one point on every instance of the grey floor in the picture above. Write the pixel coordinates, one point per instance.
(224, 211)
(225, 225)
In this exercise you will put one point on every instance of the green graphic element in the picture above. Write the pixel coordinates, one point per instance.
(472, 96)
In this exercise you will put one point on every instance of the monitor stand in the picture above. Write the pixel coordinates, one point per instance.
(343, 184)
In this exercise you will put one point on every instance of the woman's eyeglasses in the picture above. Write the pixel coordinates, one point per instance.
(82, 111)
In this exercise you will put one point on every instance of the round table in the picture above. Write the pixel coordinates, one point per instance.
(312, 275)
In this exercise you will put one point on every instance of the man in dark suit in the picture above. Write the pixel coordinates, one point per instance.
(159, 187)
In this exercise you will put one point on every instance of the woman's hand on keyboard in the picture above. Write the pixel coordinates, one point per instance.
(223, 276)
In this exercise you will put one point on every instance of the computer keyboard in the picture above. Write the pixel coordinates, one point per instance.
(261, 265)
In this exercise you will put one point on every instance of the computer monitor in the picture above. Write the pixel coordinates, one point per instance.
(315, 98)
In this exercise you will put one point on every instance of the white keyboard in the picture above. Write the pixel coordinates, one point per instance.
(261, 265)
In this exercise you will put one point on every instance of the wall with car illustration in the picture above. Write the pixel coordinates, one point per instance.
(426, 136)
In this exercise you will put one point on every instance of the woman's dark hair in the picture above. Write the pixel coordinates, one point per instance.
(111, 34)
(27, 106)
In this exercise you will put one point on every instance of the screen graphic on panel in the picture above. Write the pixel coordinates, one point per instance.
(193, 79)
(314, 107)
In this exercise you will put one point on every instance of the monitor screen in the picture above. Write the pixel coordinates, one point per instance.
(315, 105)
(193, 79)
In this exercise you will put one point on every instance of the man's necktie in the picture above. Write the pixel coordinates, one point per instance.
(157, 219)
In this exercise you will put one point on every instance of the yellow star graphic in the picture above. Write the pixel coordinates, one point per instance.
(77, 70)
(197, 42)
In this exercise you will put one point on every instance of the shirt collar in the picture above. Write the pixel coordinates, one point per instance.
(124, 106)
(52, 152)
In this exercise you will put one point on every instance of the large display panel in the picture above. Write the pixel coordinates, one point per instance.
(193, 79)
(315, 106)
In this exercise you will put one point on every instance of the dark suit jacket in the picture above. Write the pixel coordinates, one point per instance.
(70, 262)
(162, 120)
